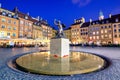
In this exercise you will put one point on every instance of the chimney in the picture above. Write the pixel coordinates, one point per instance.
(90, 20)
(74, 20)
(110, 15)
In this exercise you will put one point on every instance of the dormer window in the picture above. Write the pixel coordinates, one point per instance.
(103, 22)
(26, 17)
(9, 15)
(96, 22)
(107, 21)
(15, 16)
(35, 23)
(4, 13)
(116, 20)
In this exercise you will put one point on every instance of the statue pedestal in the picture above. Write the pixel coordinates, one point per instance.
(59, 47)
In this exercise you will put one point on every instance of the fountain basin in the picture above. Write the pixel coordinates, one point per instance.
(48, 64)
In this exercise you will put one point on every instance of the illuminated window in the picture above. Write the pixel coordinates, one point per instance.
(105, 31)
(93, 37)
(90, 38)
(97, 32)
(93, 33)
(116, 20)
(21, 22)
(106, 36)
(110, 36)
(97, 37)
(101, 31)
(30, 24)
(102, 36)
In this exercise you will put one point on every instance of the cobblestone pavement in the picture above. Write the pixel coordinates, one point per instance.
(110, 73)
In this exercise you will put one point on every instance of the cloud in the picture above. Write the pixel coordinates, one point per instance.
(81, 2)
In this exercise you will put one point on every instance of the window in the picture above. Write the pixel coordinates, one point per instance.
(105, 31)
(26, 17)
(116, 20)
(93, 33)
(101, 27)
(119, 30)
(3, 20)
(109, 26)
(21, 22)
(105, 26)
(109, 31)
(97, 37)
(101, 31)
(115, 36)
(1, 34)
(107, 21)
(14, 22)
(115, 30)
(110, 36)
(90, 38)
(102, 36)
(9, 15)
(26, 24)
(97, 32)
(14, 28)
(30, 24)
(119, 25)
(9, 27)
(103, 22)
(14, 34)
(4, 13)
(106, 36)
(93, 37)
(3, 26)
(9, 21)
(114, 26)
(8, 34)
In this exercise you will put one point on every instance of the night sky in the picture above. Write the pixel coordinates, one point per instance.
(64, 10)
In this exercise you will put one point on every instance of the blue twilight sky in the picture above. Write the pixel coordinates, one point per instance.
(64, 10)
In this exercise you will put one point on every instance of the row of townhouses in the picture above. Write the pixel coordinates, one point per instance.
(102, 31)
(17, 25)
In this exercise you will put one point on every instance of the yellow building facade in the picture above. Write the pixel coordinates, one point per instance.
(8, 24)
(67, 33)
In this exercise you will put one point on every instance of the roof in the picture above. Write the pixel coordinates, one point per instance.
(86, 24)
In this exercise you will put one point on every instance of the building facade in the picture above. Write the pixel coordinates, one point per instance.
(67, 33)
(9, 24)
(102, 32)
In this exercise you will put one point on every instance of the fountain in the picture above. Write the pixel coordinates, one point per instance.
(59, 60)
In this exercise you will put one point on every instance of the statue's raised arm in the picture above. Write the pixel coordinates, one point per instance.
(60, 27)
